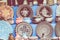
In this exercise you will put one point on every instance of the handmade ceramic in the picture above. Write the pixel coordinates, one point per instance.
(24, 11)
(44, 29)
(24, 29)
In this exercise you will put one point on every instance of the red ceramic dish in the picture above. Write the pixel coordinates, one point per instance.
(25, 11)
(44, 11)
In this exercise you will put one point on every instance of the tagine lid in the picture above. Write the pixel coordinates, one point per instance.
(7, 12)
(44, 11)
(24, 28)
(25, 11)
(44, 29)
(57, 29)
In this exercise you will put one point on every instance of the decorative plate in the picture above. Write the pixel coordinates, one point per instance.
(5, 30)
(44, 29)
(44, 11)
(24, 29)
(7, 12)
(57, 29)
(58, 13)
(24, 11)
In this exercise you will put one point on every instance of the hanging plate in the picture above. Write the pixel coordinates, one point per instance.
(57, 29)
(5, 30)
(24, 11)
(7, 12)
(44, 11)
(24, 28)
(44, 29)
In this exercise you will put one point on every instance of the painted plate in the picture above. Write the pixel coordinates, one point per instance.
(44, 29)
(44, 11)
(5, 30)
(7, 12)
(24, 29)
(24, 11)
(57, 29)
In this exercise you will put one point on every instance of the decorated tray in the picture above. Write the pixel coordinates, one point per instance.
(24, 11)
(6, 12)
(44, 11)
(58, 13)
(44, 29)
(58, 2)
(57, 29)
(24, 29)
(5, 30)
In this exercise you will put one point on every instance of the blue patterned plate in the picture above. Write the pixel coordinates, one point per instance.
(5, 30)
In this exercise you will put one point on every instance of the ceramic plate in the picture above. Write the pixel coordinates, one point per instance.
(24, 11)
(24, 29)
(44, 11)
(44, 29)
(7, 12)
